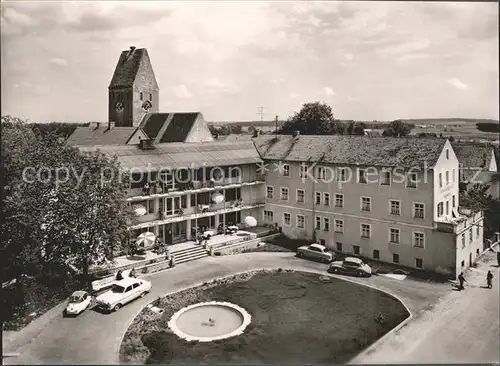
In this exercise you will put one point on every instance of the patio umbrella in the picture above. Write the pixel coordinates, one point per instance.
(250, 221)
(146, 239)
(139, 210)
(217, 198)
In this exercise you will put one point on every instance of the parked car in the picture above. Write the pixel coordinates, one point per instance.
(123, 292)
(351, 266)
(316, 252)
(78, 302)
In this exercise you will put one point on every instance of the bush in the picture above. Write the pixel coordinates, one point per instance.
(488, 127)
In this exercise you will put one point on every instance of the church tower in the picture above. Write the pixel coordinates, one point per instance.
(133, 90)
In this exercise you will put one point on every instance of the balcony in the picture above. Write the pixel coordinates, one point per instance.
(192, 213)
(458, 224)
(136, 194)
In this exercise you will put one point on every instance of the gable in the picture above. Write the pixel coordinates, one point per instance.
(145, 76)
(137, 136)
(199, 131)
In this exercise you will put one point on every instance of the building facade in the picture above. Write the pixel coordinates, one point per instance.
(391, 200)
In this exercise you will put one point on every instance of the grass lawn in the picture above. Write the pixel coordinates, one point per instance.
(296, 318)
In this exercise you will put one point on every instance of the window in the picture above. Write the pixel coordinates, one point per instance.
(301, 222)
(462, 264)
(419, 263)
(365, 204)
(338, 245)
(339, 226)
(270, 192)
(447, 207)
(140, 95)
(440, 179)
(471, 235)
(284, 194)
(318, 198)
(440, 209)
(477, 230)
(453, 201)
(411, 181)
(341, 174)
(128, 289)
(376, 254)
(300, 196)
(386, 178)
(287, 219)
(463, 241)
(447, 175)
(135, 285)
(395, 207)
(322, 242)
(447, 154)
(320, 173)
(395, 258)
(268, 216)
(394, 236)
(150, 97)
(418, 240)
(355, 249)
(339, 200)
(365, 230)
(362, 176)
(326, 224)
(286, 170)
(318, 223)
(418, 210)
(453, 175)
(303, 171)
(326, 199)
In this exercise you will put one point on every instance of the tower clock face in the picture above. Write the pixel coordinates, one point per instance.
(146, 106)
(119, 106)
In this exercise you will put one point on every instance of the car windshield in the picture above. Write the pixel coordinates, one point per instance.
(118, 289)
(75, 299)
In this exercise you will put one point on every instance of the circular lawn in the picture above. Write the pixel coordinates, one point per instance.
(297, 318)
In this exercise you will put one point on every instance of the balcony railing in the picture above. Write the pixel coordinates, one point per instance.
(194, 187)
(195, 212)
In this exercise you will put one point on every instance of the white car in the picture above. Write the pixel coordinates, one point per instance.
(77, 303)
(123, 292)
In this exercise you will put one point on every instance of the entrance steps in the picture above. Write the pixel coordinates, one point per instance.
(188, 253)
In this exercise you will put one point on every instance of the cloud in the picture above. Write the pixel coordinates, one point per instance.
(328, 91)
(14, 22)
(59, 61)
(293, 95)
(181, 91)
(457, 83)
(217, 86)
(414, 56)
(38, 89)
(404, 47)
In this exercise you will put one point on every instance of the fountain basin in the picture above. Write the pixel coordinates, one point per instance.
(209, 321)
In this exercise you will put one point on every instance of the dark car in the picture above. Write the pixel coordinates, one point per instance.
(351, 266)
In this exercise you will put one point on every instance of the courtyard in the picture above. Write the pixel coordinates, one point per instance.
(297, 317)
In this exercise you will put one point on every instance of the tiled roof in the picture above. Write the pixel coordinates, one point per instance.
(101, 135)
(127, 67)
(177, 130)
(179, 127)
(473, 155)
(181, 155)
(351, 150)
(152, 123)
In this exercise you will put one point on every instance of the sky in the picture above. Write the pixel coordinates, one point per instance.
(367, 60)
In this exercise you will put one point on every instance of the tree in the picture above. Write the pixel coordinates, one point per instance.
(68, 209)
(355, 128)
(477, 199)
(313, 119)
(397, 128)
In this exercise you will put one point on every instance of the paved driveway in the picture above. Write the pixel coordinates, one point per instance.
(95, 338)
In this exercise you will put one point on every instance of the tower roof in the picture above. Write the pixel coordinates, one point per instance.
(127, 67)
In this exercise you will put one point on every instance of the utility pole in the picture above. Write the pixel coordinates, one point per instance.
(261, 113)
(276, 130)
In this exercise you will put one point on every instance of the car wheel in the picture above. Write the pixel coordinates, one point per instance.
(117, 307)
(360, 274)
(300, 255)
(143, 294)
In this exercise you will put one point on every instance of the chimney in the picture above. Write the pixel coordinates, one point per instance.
(146, 145)
(111, 125)
(296, 133)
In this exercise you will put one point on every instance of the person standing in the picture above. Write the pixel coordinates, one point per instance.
(489, 279)
(461, 280)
